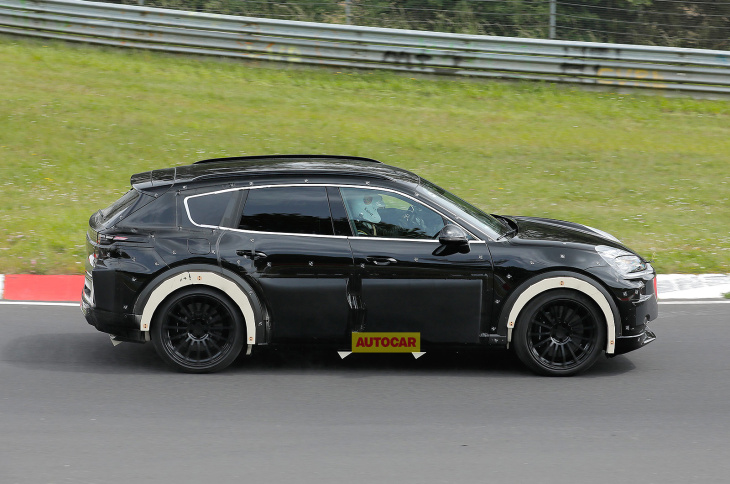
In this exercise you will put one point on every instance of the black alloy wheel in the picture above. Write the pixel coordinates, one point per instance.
(560, 333)
(198, 330)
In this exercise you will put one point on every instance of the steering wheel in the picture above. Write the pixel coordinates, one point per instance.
(366, 228)
(413, 218)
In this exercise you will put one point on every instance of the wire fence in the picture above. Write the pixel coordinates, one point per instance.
(412, 51)
(671, 23)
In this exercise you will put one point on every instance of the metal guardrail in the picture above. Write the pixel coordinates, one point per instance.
(368, 47)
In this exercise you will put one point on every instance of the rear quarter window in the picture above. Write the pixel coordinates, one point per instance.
(211, 209)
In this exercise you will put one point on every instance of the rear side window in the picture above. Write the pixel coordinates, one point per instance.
(294, 210)
(210, 209)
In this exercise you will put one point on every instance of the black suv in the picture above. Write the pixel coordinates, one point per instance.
(225, 254)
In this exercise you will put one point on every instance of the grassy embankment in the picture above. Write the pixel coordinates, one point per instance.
(77, 121)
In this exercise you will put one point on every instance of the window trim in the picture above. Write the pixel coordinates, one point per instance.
(336, 185)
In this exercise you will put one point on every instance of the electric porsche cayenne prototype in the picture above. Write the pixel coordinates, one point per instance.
(215, 258)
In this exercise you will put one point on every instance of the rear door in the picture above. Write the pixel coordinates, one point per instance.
(286, 242)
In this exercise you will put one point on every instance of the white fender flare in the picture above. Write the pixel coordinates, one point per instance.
(204, 278)
(565, 283)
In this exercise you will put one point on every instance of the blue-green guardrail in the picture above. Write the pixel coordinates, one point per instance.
(368, 47)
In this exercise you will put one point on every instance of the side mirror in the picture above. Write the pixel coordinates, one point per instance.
(452, 235)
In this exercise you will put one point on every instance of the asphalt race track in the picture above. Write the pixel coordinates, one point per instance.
(75, 409)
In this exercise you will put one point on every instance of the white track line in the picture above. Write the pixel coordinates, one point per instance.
(676, 303)
(2, 284)
(36, 303)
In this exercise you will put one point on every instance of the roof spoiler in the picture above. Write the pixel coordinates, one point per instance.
(279, 157)
(153, 179)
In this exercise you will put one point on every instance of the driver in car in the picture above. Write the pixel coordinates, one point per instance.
(366, 214)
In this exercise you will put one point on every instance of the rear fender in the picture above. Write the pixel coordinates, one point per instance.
(232, 286)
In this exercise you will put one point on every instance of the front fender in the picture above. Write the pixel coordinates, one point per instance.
(529, 289)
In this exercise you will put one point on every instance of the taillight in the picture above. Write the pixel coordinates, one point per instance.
(656, 291)
(103, 239)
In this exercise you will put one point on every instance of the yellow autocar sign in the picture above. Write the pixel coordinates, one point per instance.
(386, 342)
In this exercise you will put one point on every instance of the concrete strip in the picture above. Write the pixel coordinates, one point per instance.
(2, 285)
(692, 286)
(688, 302)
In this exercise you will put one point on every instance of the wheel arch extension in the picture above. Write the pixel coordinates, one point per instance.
(561, 280)
(234, 287)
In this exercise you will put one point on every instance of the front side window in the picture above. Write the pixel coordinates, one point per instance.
(380, 213)
(294, 210)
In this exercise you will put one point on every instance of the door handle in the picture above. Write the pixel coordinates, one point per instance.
(381, 261)
(252, 254)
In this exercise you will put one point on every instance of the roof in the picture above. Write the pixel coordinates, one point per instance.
(310, 165)
(284, 157)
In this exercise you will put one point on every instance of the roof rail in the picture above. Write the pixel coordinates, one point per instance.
(279, 157)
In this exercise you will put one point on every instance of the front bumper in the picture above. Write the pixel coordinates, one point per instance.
(636, 312)
(637, 307)
(624, 344)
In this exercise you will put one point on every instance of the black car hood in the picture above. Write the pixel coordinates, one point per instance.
(545, 229)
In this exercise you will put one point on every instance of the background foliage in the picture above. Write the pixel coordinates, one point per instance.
(697, 24)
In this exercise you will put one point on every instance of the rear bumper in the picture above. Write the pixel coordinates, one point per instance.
(124, 327)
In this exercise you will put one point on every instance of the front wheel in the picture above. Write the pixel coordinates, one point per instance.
(198, 330)
(560, 333)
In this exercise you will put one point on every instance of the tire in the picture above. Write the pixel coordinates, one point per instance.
(198, 330)
(560, 333)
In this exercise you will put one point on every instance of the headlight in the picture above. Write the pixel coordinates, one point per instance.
(624, 262)
(605, 234)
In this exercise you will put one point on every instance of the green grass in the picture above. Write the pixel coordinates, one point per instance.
(76, 121)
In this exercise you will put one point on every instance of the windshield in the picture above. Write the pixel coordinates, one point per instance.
(464, 210)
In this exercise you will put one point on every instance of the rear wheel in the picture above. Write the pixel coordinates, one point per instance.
(560, 333)
(198, 330)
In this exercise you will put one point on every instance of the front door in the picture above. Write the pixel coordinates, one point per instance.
(410, 282)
